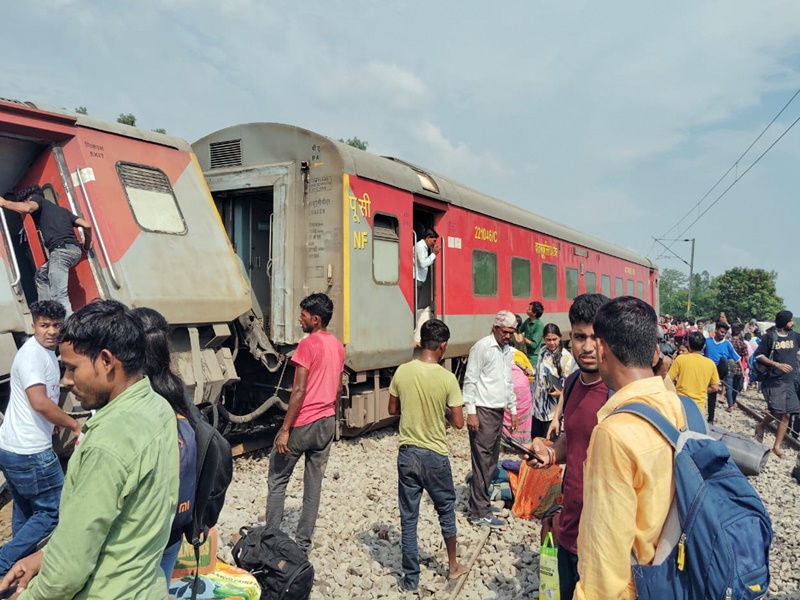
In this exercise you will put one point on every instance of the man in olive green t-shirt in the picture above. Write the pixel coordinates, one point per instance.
(424, 393)
(532, 330)
(121, 487)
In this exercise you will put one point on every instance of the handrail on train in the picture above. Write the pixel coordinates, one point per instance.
(12, 254)
(97, 232)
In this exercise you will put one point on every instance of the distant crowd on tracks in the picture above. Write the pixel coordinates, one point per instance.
(111, 519)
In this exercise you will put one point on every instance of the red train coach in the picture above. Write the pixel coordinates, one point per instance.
(309, 214)
(158, 240)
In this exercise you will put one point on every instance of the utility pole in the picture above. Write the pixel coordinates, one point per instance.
(691, 275)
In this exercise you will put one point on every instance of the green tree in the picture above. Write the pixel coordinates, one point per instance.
(672, 292)
(160, 130)
(129, 119)
(744, 294)
(82, 110)
(704, 296)
(355, 143)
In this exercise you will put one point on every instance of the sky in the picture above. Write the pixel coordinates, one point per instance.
(615, 118)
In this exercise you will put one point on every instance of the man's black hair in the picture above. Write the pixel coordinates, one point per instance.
(696, 341)
(628, 327)
(430, 233)
(433, 333)
(107, 325)
(584, 308)
(537, 308)
(49, 309)
(722, 325)
(32, 190)
(748, 336)
(736, 329)
(318, 305)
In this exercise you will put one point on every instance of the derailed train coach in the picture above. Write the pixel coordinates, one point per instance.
(157, 236)
(305, 214)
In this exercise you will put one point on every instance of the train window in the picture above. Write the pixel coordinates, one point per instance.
(640, 290)
(520, 277)
(484, 273)
(630, 287)
(385, 249)
(151, 198)
(549, 281)
(49, 193)
(591, 282)
(606, 283)
(572, 283)
(619, 288)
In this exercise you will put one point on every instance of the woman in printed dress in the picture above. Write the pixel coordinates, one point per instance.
(554, 365)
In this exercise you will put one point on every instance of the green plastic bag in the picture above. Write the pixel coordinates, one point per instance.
(548, 570)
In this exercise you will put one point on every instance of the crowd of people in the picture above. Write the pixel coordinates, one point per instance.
(111, 520)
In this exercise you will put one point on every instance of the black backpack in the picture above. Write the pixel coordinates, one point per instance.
(277, 562)
(214, 474)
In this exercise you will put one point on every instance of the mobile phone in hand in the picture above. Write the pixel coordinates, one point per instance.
(525, 452)
(8, 592)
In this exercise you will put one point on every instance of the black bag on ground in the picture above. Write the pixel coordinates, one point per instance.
(277, 562)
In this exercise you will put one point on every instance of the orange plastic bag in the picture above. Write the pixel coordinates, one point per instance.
(538, 490)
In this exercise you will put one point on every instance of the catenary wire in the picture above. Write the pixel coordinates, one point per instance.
(731, 168)
(727, 189)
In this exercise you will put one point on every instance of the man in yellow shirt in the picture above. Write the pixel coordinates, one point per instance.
(628, 473)
(695, 375)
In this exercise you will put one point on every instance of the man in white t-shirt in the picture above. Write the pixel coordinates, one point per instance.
(27, 460)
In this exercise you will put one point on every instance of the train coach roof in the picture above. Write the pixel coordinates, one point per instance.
(107, 126)
(406, 176)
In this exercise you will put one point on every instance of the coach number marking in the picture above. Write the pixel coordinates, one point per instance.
(486, 235)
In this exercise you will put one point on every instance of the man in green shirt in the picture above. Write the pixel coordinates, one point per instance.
(424, 393)
(532, 330)
(121, 487)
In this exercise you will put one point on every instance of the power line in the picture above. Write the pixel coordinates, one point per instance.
(731, 168)
(727, 189)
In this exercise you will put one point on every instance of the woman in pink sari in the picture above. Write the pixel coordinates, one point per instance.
(522, 389)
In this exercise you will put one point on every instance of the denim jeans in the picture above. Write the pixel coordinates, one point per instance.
(169, 558)
(420, 469)
(314, 441)
(729, 390)
(53, 276)
(35, 482)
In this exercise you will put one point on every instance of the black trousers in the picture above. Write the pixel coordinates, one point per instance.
(484, 446)
(567, 573)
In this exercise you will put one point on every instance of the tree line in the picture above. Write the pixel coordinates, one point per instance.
(741, 293)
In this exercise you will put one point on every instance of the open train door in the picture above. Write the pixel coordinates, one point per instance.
(429, 295)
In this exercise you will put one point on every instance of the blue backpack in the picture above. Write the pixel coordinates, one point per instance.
(715, 542)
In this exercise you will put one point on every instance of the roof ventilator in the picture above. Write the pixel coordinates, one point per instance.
(226, 154)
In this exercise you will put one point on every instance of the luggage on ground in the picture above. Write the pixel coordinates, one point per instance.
(277, 562)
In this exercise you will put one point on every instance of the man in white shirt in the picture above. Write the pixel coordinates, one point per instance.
(425, 252)
(27, 460)
(488, 392)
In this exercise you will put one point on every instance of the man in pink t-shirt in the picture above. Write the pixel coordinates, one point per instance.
(309, 425)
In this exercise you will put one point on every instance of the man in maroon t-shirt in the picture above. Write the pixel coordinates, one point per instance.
(587, 395)
(309, 425)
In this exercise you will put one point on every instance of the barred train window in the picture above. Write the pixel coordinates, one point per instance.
(151, 198)
(630, 287)
(385, 249)
(520, 277)
(591, 282)
(606, 281)
(484, 273)
(618, 287)
(572, 283)
(640, 290)
(549, 281)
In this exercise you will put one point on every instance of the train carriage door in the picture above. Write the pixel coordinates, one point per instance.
(50, 172)
(429, 293)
